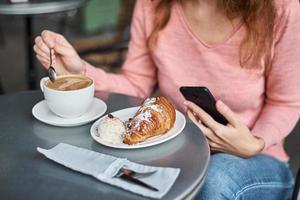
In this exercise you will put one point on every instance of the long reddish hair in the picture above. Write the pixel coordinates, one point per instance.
(258, 17)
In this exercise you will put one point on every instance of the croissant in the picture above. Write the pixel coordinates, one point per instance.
(155, 117)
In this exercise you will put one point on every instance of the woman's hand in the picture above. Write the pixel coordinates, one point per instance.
(65, 59)
(235, 138)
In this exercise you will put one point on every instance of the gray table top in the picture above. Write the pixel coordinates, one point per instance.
(34, 7)
(26, 174)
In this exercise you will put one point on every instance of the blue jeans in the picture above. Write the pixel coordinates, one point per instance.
(258, 177)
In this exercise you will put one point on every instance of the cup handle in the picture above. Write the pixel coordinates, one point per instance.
(42, 82)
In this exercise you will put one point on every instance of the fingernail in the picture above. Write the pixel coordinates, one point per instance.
(185, 103)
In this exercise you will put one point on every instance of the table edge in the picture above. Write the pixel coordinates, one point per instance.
(200, 180)
(43, 8)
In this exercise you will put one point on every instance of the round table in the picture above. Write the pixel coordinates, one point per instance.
(28, 9)
(27, 174)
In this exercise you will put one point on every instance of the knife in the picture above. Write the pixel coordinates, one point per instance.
(128, 177)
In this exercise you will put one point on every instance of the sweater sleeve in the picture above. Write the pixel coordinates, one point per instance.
(138, 73)
(282, 103)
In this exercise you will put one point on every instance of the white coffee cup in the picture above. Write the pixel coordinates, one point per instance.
(68, 104)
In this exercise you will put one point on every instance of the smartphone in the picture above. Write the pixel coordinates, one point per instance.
(202, 97)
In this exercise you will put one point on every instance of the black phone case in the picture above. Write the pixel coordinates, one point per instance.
(202, 97)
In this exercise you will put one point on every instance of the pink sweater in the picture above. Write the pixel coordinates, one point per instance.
(269, 106)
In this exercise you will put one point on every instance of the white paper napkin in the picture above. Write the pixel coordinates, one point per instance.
(104, 168)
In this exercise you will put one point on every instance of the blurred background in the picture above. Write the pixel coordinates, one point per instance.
(98, 29)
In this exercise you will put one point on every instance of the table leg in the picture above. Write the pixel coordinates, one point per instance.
(31, 72)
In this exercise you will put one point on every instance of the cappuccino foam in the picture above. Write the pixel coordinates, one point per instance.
(69, 83)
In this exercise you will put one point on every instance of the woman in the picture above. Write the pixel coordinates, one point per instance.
(245, 51)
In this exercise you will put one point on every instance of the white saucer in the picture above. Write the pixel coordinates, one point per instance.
(42, 112)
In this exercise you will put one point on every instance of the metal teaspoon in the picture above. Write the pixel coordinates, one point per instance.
(51, 70)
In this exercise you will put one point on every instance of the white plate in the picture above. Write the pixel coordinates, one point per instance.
(42, 112)
(127, 113)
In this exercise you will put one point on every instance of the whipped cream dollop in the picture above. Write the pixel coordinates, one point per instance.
(111, 129)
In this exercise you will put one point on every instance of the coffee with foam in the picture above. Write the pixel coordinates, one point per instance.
(69, 83)
(69, 96)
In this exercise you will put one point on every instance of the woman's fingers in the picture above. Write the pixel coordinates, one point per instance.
(43, 52)
(57, 42)
(63, 50)
(217, 150)
(41, 49)
(40, 52)
(210, 134)
(63, 54)
(43, 61)
(60, 39)
(206, 131)
(203, 116)
(49, 38)
(192, 116)
(232, 118)
(42, 45)
(214, 146)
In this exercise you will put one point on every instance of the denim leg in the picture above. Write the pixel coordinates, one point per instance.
(258, 177)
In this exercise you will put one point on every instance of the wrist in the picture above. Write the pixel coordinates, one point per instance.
(258, 146)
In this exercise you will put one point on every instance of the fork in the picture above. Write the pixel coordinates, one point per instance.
(130, 172)
(131, 176)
